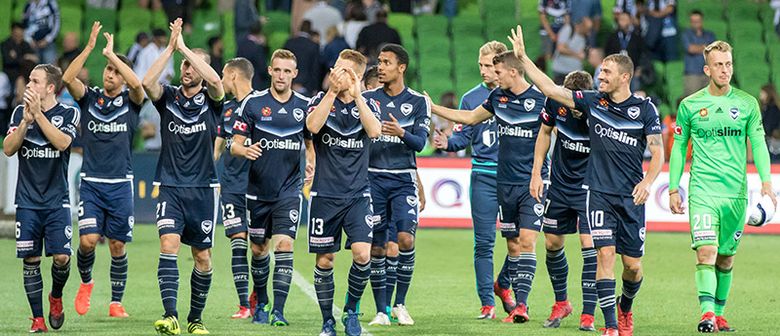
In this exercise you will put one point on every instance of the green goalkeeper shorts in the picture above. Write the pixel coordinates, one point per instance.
(717, 221)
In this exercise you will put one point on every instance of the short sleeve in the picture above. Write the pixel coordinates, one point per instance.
(70, 121)
(244, 118)
(168, 94)
(314, 101)
(16, 119)
(89, 92)
(582, 100)
(488, 104)
(652, 121)
(423, 119)
(548, 112)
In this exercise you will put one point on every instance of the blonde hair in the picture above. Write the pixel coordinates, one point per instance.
(721, 46)
(354, 56)
(624, 63)
(510, 60)
(283, 54)
(492, 47)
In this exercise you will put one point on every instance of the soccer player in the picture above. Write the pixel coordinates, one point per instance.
(483, 139)
(41, 131)
(565, 205)
(392, 172)
(271, 122)
(717, 119)
(622, 126)
(341, 123)
(517, 106)
(186, 176)
(106, 207)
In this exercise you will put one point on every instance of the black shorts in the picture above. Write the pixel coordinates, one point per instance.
(616, 221)
(189, 212)
(518, 210)
(36, 227)
(268, 218)
(106, 209)
(234, 215)
(394, 196)
(564, 211)
(328, 216)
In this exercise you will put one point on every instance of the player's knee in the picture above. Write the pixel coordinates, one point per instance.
(606, 254)
(391, 249)
(116, 247)
(241, 235)
(527, 244)
(377, 251)
(361, 257)
(706, 255)
(169, 243)
(61, 259)
(284, 244)
(260, 250)
(30, 260)
(725, 262)
(325, 261)
(632, 270)
(87, 243)
(553, 242)
(405, 241)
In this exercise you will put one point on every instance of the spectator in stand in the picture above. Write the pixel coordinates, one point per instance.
(336, 44)
(151, 53)
(449, 100)
(308, 54)
(553, 15)
(180, 9)
(253, 47)
(5, 99)
(141, 41)
(626, 40)
(661, 34)
(570, 49)
(322, 16)
(19, 57)
(371, 8)
(588, 9)
(216, 52)
(42, 25)
(245, 16)
(375, 35)
(627, 6)
(355, 22)
(694, 40)
(70, 47)
(770, 109)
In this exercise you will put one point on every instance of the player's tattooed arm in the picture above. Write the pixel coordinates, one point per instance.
(473, 117)
(539, 78)
(642, 190)
(204, 69)
(540, 155)
(124, 70)
(74, 85)
(151, 81)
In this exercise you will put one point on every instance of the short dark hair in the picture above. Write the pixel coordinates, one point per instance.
(16, 24)
(213, 40)
(125, 60)
(371, 73)
(243, 66)
(305, 26)
(696, 12)
(578, 80)
(510, 60)
(381, 15)
(400, 53)
(141, 36)
(53, 75)
(158, 32)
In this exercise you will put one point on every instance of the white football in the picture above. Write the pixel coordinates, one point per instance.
(762, 212)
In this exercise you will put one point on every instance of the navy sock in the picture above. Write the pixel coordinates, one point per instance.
(378, 278)
(589, 296)
(240, 267)
(118, 277)
(33, 286)
(511, 267)
(358, 277)
(59, 276)
(526, 268)
(260, 270)
(606, 293)
(405, 271)
(558, 269)
(168, 280)
(504, 278)
(283, 271)
(390, 280)
(630, 289)
(84, 262)
(200, 282)
(323, 285)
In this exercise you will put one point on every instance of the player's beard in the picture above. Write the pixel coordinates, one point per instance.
(192, 84)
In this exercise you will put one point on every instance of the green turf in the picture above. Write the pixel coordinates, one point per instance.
(441, 300)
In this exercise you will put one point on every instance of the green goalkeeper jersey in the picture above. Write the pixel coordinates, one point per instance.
(718, 126)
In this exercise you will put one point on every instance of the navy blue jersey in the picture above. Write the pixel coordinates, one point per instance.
(342, 150)
(107, 128)
(43, 170)
(188, 127)
(483, 137)
(572, 145)
(235, 170)
(413, 113)
(519, 121)
(279, 128)
(618, 137)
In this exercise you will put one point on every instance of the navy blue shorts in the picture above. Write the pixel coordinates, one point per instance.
(106, 209)
(268, 218)
(615, 221)
(328, 216)
(518, 210)
(564, 211)
(189, 213)
(394, 196)
(34, 227)
(234, 215)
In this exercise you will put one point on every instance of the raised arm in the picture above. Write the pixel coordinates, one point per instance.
(74, 85)
(540, 155)
(56, 136)
(151, 81)
(209, 75)
(472, 117)
(539, 78)
(370, 122)
(131, 80)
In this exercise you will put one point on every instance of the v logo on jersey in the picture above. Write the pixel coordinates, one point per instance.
(294, 216)
(298, 114)
(633, 112)
(734, 112)
(406, 109)
(538, 209)
(529, 104)
(206, 226)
